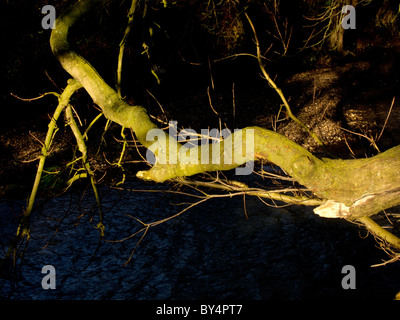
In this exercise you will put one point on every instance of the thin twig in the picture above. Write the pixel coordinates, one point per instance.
(387, 117)
(36, 98)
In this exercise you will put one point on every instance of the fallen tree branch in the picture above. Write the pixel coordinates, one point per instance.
(363, 186)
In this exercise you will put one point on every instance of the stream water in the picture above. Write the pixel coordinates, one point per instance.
(211, 251)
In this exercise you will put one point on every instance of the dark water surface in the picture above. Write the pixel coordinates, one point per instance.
(209, 252)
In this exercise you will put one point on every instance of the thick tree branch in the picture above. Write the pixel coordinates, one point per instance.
(354, 188)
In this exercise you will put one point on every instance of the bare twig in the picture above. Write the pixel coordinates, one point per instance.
(278, 90)
(36, 98)
(387, 118)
